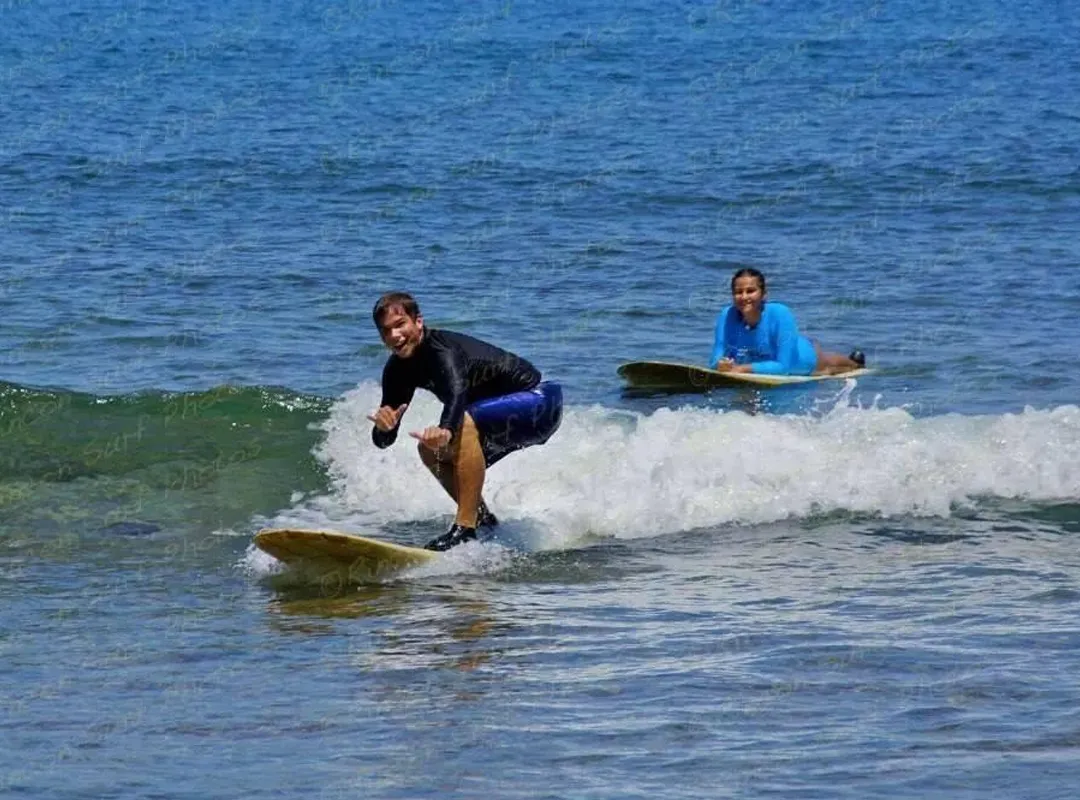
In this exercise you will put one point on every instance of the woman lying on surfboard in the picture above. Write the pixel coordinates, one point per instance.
(755, 335)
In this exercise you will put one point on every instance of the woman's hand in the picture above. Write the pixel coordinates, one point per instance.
(728, 365)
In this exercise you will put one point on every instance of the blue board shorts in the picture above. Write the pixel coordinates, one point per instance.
(515, 421)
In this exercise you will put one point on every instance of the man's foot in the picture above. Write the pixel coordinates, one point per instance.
(484, 517)
(858, 357)
(453, 537)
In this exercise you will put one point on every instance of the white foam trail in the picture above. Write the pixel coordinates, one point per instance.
(619, 473)
(257, 563)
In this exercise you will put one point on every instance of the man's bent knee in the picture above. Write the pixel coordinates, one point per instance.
(468, 429)
(431, 457)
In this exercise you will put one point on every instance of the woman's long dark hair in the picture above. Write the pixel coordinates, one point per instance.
(749, 272)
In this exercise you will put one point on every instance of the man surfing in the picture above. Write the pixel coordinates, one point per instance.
(493, 404)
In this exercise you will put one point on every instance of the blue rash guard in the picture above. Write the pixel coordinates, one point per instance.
(773, 346)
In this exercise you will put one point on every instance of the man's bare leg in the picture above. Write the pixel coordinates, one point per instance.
(461, 470)
(443, 470)
(469, 474)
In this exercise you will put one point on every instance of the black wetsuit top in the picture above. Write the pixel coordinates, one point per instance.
(457, 369)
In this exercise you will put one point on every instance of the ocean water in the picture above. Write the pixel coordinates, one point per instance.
(853, 589)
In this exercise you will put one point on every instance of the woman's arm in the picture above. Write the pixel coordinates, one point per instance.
(719, 341)
(783, 333)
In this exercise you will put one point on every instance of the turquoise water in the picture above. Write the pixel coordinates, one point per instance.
(847, 590)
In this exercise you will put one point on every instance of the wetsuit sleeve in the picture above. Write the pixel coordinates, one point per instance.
(719, 345)
(784, 341)
(455, 369)
(396, 390)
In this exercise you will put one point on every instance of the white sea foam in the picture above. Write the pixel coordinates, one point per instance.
(618, 473)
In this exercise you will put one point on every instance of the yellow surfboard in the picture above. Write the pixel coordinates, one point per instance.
(692, 378)
(359, 557)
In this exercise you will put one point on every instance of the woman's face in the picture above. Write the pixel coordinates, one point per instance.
(747, 296)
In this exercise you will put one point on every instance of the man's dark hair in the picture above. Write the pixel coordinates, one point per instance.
(403, 300)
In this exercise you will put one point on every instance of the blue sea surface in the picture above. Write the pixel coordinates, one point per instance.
(852, 589)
